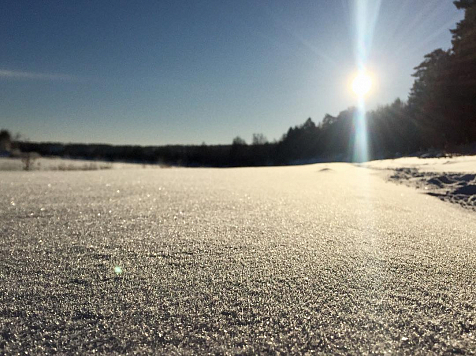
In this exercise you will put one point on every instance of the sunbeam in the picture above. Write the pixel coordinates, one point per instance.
(361, 150)
(366, 14)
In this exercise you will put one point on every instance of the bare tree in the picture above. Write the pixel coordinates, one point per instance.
(28, 159)
(259, 139)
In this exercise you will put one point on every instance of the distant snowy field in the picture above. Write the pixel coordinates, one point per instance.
(452, 179)
(61, 164)
(460, 164)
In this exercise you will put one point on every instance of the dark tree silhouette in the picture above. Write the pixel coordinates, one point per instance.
(428, 98)
(462, 83)
(259, 139)
(443, 98)
(238, 141)
(5, 140)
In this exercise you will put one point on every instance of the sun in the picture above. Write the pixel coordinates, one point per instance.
(362, 84)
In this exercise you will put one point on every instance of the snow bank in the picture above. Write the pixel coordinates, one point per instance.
(449, 179)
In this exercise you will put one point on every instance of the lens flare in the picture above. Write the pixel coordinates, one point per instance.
(362, 84)
(118, 270)
(366, 14)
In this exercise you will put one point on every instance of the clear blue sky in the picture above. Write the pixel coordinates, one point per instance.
(163, 72)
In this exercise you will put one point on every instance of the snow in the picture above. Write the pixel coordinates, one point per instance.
(450, 179)
(458, 164)
(330, 257)
(64, 164)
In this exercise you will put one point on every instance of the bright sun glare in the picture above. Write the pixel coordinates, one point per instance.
(361, 84)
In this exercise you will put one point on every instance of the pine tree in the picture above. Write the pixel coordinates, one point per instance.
(428, 100)
(463, 69)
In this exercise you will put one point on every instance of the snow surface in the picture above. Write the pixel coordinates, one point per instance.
(330, 258)
(457, 164)
(64, 164)
(450, 179)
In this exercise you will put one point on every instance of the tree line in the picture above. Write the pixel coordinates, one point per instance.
(440, 114)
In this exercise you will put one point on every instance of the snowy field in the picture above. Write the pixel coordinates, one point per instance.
(62, 164)
(457, 164)
(327, 258)
(450, 179)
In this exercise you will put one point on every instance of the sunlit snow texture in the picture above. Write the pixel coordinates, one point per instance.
(329, 257)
